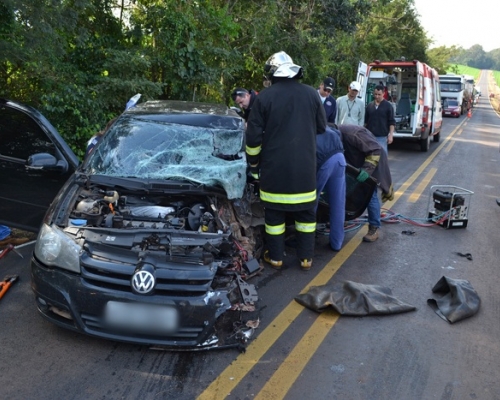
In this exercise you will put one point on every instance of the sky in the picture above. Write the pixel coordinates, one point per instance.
(460, 22)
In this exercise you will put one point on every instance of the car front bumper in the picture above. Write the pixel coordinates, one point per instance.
(67, 300)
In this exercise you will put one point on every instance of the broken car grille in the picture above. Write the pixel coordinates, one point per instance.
(172, 278)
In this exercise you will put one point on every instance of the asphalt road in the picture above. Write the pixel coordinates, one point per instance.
(297, 353)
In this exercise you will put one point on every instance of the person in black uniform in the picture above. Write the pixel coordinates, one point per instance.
(281, 151)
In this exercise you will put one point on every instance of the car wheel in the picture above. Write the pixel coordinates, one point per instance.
(425, 144)
(436, 137)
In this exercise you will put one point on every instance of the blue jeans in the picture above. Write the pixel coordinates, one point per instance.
(382, 141)
(330, 178)
(374, 210)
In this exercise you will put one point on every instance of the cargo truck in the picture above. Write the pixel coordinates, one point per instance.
(459, 88)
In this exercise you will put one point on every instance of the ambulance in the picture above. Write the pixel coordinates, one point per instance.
(413, 89)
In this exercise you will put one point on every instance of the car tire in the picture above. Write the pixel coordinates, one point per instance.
(436, 137)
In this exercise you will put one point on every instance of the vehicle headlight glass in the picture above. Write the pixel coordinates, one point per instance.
(55, 248)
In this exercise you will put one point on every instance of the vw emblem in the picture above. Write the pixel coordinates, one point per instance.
(143, 282)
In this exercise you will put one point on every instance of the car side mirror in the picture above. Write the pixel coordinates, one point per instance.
(46, 162)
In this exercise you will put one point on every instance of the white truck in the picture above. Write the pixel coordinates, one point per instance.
(457, 87)
(413, 87)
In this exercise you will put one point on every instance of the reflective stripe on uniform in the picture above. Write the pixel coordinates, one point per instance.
(253, 151)
(373, 160)
(305, 227)
(275, 229)
(254, 175)
(296, 198)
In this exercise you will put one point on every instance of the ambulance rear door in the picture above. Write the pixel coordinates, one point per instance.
(362, 78)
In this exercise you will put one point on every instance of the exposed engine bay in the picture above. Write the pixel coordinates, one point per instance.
(171, 234)
(235, 220)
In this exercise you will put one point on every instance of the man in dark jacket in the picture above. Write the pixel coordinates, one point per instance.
(244, 99)
(379, 118)
(281, 151)
(331, 165)
(362, 151)
(329, 103)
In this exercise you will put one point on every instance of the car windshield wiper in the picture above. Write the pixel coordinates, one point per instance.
(183, 185)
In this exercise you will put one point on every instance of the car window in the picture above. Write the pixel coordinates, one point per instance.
(152, 149)
(21, 136)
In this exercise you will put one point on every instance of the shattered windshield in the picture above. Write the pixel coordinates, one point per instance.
(146, 148)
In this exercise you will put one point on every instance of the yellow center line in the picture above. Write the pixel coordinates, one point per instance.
(447, 150)
(283, 379)
(422, 185)
(234, 373)
(222, 386)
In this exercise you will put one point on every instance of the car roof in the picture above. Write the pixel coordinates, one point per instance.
(188, 113)
(177, 106)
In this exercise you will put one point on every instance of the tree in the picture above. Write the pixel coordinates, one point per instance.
(440, 57)
(79, 61)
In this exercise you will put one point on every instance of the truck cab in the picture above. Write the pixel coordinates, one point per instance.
(413, 89)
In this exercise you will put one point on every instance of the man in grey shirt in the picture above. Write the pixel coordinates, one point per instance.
(350, 109)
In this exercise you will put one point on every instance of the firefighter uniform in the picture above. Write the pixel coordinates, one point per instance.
(281, 151)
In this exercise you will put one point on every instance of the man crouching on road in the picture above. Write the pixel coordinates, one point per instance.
(363, 151)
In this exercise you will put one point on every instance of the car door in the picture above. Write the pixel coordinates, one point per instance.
(34, 164)
(362, 78)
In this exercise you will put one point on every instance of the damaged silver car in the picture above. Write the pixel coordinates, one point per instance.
(152, 239)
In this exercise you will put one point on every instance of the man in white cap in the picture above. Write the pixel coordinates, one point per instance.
(281, 152)
(350, 109)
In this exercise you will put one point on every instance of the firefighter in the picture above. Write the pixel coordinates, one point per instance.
(281, 151)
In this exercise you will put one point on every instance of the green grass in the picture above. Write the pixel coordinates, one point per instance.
(496, 75)
(464, 70)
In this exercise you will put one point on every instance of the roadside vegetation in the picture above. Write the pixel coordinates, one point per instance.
(496, 77)
(79, 62)
(464, 70)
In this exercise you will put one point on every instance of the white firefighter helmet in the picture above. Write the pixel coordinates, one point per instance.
(280, 65)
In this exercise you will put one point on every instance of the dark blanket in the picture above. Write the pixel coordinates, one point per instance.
(459, 299)
(352, 298)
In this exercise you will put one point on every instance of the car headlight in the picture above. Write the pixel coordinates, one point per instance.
(55, 248)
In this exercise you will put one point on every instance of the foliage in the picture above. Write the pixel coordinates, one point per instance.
(440, 57)
(79, 61)
(389, 30)
(476, 57)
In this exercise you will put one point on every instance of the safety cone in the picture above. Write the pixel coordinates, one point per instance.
(469, 113)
